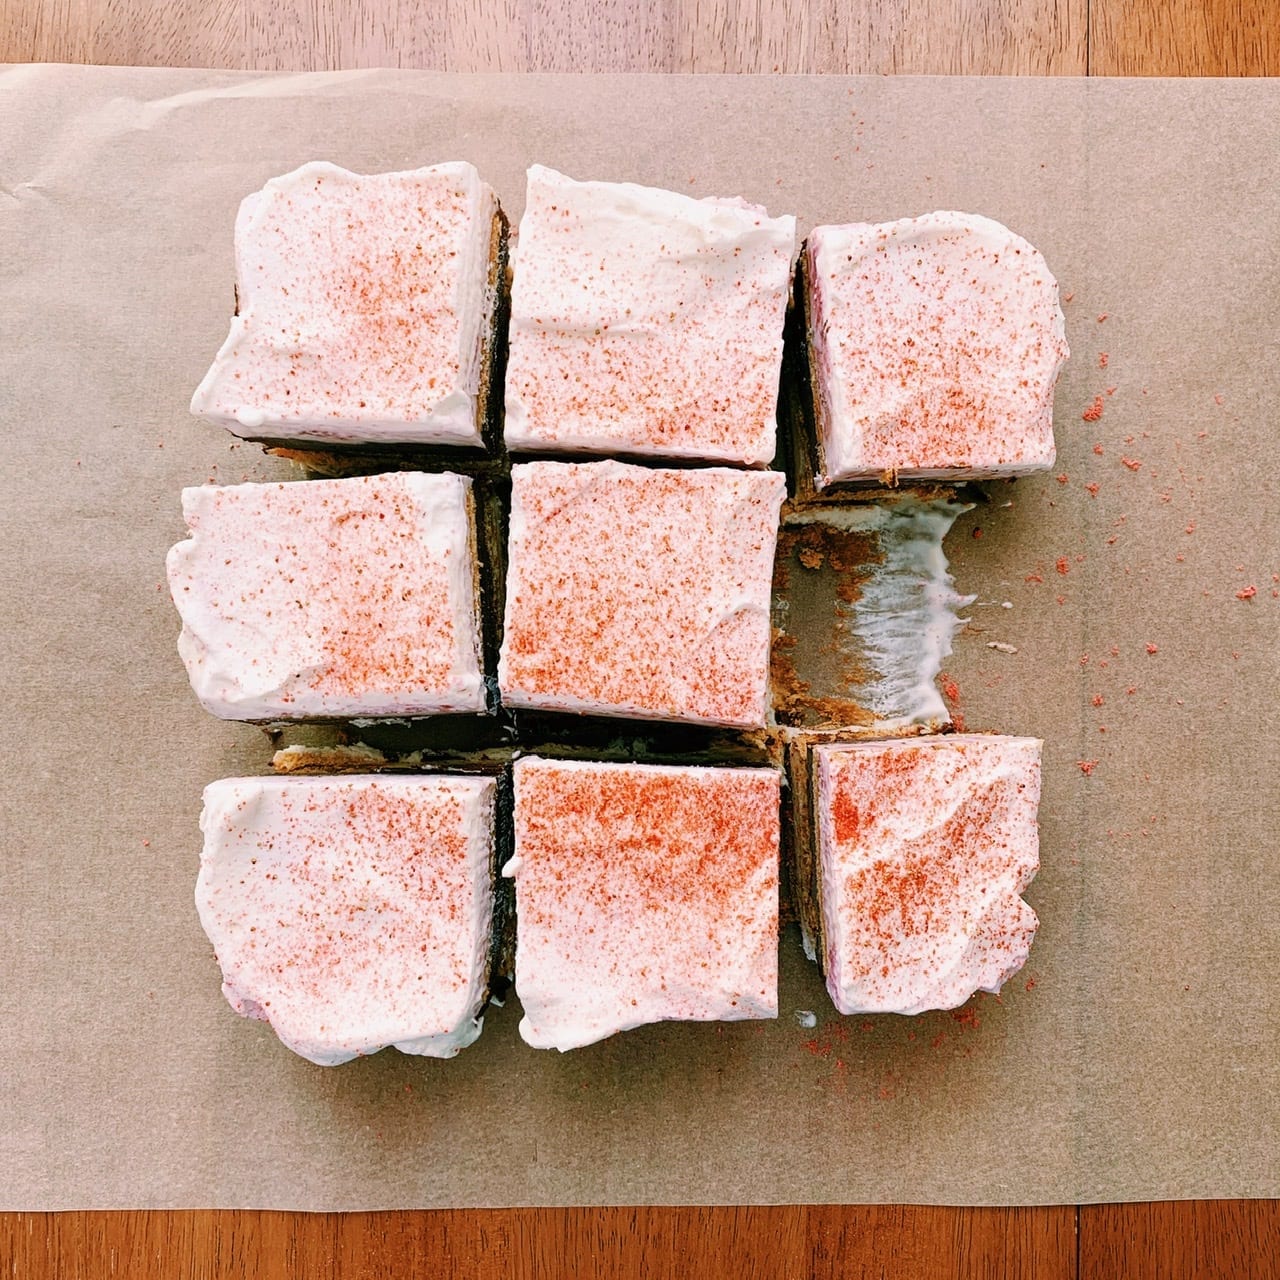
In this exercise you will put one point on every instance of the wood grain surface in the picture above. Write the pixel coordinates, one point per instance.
(1197, 1240)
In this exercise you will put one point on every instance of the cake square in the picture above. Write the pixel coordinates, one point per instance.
(331, 598)
(366, 309)
(935, 344)
(353, 912)
(646, 322)
(644, 893)
(640, 592)
(924, 846)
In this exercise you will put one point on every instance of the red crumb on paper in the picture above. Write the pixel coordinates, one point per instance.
(1084, 659)
(1063, 565)
(146, 844)
(1112, 390)
(1063, 478)
(1094, 411)
(1087, 767)
(1092, 488)
(1191, 526)
(1097, 448)
(1103, 359)
(1033, 577)
(1067, 297)
(1098, 700)
(1030, 984)
(1102, 315)
(951, 691)
(1247, 593)
(967, 1018)
(1153, 648)
(1217, 399)
(1134, 464)
(977, 533)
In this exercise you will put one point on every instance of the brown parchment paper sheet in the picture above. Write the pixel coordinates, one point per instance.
(1135, 1057)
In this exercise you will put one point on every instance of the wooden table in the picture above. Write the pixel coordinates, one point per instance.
(961, 37)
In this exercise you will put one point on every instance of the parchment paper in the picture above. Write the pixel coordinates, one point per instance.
(1135, 1057)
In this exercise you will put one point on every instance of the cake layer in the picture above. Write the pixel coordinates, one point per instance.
(924, 846)
(645, 322)
(365, 307)
(640, 592)
(352, 913)
(935, 345)
(330, 598)
(643, 893)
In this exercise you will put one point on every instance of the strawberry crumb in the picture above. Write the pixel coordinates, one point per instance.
(1153, 648)
(1134, 464)
(1097, 700)
(1247, 593)
(1063, 478)
(1033, 577)
(1097, 448)
(1063, 565)
(1102, 315)
(1094, 411)
(1217, 399)
(1087, 767)
(1030, 984)
(1103, 359)
(1093, 489)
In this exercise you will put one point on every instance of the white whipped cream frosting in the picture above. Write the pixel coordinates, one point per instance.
(646, 322)
(937, 342)
(330, 598)
(365, 306)
(354, 912)
(925, 846)
(642, 592)
(644, 893)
